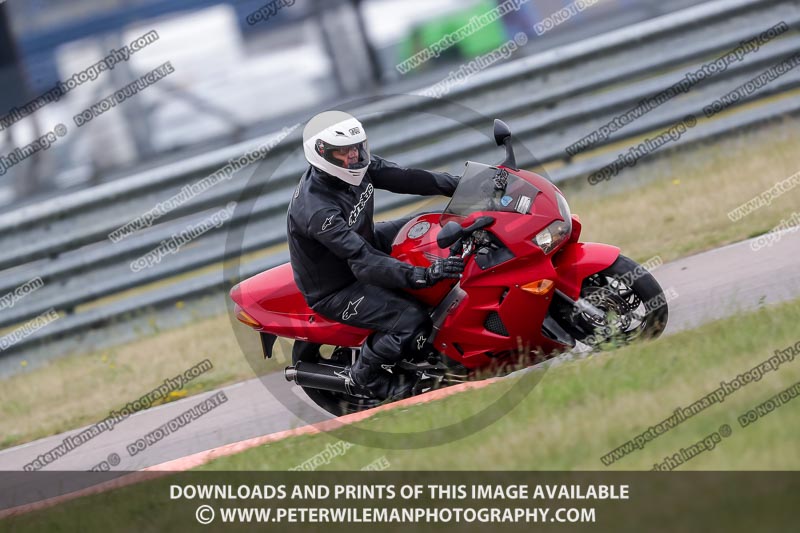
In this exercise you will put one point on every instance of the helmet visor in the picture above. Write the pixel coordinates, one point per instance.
(353, 156)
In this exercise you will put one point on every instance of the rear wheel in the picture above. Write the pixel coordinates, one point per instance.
(336, 403)
(632, 301)
(443, 374)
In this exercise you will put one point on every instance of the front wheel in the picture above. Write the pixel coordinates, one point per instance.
(632, 301)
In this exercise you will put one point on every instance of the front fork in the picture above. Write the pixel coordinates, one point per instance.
(557, 328)
(574, 263)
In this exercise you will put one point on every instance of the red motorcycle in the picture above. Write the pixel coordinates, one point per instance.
(529, 288)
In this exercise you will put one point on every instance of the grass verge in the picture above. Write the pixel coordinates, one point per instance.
(77, 390)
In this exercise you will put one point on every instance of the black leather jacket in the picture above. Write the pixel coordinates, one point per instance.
(331, 231)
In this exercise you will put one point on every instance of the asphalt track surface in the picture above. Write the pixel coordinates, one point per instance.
(709, 286)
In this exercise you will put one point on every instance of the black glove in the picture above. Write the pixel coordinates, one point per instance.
(452, 267)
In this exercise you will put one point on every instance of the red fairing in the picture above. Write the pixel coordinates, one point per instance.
(577, 261)
(273, 299)
(576, 229)
(464, 337)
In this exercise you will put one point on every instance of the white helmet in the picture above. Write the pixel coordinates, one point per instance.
(336, 143)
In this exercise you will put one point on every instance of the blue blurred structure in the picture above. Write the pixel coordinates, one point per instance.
(44, 25)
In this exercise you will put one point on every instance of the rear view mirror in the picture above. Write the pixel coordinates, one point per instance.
(501, 132)
(502, 136)
(450, 233)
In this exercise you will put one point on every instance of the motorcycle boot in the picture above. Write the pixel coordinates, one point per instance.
(379, 376)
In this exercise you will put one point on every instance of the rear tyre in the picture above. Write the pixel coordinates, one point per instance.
(339, 404)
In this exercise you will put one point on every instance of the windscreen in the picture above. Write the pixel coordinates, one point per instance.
(485, 188)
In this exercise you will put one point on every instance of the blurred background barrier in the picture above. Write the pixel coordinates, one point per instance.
(235, 79)
(156, 165)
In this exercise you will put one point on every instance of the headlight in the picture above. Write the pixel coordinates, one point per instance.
(556, 233)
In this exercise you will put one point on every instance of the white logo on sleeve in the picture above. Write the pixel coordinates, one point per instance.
(328, 222)
(362, 203)
(352, 309)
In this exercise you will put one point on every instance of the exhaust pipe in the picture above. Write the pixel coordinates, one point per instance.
(326, 377)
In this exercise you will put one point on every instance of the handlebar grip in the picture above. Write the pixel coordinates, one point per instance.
(456, 248)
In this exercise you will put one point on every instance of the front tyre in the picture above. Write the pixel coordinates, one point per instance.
(632, 301)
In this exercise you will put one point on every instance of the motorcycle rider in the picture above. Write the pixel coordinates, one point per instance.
(340, 257)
